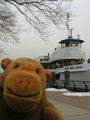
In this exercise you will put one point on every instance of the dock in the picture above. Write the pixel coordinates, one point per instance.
(72, 108)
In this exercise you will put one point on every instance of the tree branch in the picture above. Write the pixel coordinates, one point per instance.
(40, 14)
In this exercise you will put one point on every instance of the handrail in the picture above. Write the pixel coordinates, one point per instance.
(74, 84)
(85, 86)
(64, 83)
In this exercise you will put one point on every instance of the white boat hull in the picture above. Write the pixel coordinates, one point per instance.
(80, 72)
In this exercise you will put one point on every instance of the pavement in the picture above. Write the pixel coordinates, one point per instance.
(71, 110)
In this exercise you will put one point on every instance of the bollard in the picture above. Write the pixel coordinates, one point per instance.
(67, 77)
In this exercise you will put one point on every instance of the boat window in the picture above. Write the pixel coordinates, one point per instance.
(67, 44)
(79, 45)
(63, 45)
(75, 44)
(72, 44)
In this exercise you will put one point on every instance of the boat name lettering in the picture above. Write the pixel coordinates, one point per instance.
(72, 68)
(79, 67)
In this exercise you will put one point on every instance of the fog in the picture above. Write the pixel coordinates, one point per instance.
(32, 46)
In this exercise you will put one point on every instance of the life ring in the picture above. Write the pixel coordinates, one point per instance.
(46, 58)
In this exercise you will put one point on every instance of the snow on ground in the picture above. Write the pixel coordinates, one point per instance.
(68, 93)
(77, 94)
(57, 90)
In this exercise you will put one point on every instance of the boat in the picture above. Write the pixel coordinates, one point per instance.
(67, 61)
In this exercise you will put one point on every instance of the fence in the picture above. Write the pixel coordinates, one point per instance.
(75, 85)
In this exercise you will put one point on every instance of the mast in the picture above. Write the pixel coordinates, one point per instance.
(68, 23)
(68, 27)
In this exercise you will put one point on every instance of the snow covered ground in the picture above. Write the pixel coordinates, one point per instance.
(68, 93)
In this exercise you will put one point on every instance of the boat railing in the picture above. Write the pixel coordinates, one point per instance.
(71, 63)
(62, 55)
(67, 53)
(58, 66)
(75, 84)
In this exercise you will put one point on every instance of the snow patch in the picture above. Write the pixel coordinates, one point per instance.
(56, 90)
(68, 93)
(77, 94)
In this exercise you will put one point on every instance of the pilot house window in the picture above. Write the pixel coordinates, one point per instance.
(75, 44)
(67, 44)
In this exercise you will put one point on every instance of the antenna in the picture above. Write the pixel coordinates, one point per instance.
(78, 36)
(68, 27)
(67, 23)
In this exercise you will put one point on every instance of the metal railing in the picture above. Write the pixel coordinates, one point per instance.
(74, 84)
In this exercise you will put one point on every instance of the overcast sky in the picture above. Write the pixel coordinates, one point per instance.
(32, 46)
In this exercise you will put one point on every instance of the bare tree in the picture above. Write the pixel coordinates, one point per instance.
(40, 13)
(8, 25)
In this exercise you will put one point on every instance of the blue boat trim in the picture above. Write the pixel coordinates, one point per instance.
(71, 39)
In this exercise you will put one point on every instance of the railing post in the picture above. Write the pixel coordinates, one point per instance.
(56, 84)
(85, 86)
(54, 79)
(64, 83)
(74, 86)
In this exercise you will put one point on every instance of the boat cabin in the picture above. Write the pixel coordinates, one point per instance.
(69, 49)
(68, 53)
(70, 42)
